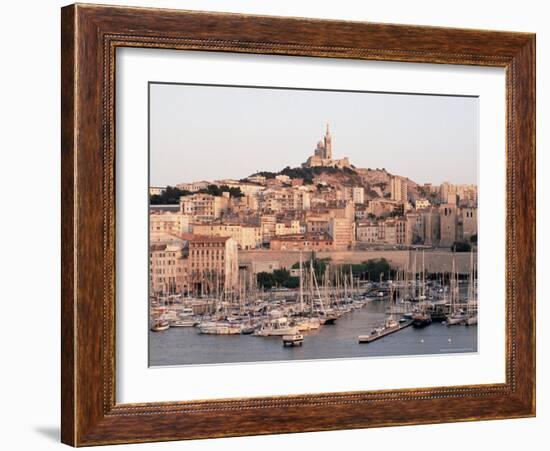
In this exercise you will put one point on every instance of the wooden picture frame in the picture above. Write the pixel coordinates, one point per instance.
(90, 35)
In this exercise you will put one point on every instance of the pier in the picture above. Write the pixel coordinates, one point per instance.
(375, 336)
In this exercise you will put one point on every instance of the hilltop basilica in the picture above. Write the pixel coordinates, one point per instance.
(322, 155)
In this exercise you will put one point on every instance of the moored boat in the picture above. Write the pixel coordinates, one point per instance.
(421, 319)
(184, 323)
(160, 326)
(293, 340)
(220, 328)
(275, 327)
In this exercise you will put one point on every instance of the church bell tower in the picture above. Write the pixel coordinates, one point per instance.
(328, 144)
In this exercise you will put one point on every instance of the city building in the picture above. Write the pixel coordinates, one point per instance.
(290, 227)
(362, 211)
(213, 264)
(392, 231)
(193, 186)
(244, 204)
(168, 269)
(283, 178)
(317, 224)
(267, 226)
(302, 242)
(204, 207)
(381, 207)
(259, 179)
(358, 195)
(398, 189)
(285, 199)
(420, 204)
(448, 193)
(167, 222)
(355, 194)
(342, 231)
(246, 236)
(156, 190)
(401, 236)
(367, 232)
(248, 189)
(467, 194)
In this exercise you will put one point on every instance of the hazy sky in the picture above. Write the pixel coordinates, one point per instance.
(211, 132)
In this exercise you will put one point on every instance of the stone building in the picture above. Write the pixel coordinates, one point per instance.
(168, 268)
(342, 231)
(285, 199)
(468, 218)
(317, 224)
(246, 236)
(267, 226)
(193, 186)
(448, 224)
(289, 227)
(163, 223)
(302, 242)
(322, 155)
(421, 204)
(448, 193)
(213, 263)
(398, 189)
(367, 232)
(431, 225)
(204, 207)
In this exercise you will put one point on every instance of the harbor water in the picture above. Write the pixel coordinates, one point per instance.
(186, 346)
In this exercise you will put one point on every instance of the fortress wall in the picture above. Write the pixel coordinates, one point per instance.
(434, 261)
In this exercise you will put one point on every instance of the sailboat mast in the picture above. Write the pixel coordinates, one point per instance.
(301, 285)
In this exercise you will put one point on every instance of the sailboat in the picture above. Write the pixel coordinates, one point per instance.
(456, 315)
(471, 305)
(326, 315)
(160, 323)
(302, 322)
(421, 317)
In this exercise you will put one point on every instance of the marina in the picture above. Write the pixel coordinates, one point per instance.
(325, 300)
(185, 346)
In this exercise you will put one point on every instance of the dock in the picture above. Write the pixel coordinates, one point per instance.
(373, 337)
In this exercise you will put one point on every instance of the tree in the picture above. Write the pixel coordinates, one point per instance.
(170, 196)
(278, 278)
(319, 266)
(265, 280)
(370, 269)
(375, 267)
(218, 190)
(461, 246)
(266, 174)
(473, 238)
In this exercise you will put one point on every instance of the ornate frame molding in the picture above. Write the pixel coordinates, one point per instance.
(90, 36)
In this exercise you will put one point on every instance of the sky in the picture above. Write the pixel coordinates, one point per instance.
(215, 132)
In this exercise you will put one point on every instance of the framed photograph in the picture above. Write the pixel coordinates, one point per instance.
(278, 225)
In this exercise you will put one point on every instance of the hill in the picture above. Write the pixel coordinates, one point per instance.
(376, 182)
